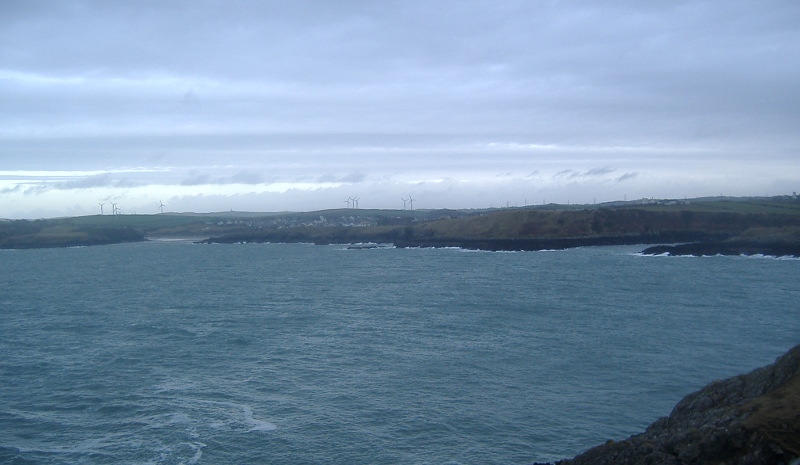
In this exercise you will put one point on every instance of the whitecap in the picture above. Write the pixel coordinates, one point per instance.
(769, 257)
(198, 452)
(258, 425)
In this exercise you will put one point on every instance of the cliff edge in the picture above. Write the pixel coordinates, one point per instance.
(744, 420)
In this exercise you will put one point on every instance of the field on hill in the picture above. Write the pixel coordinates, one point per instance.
(631, 222)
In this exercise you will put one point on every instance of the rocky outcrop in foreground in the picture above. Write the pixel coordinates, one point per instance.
(750, 419)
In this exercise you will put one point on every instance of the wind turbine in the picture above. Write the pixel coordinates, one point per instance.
(101, 207)
(411, 202)
(161, 206)
(348, 202)
(355, 203)
(113, 208)
(404, 202)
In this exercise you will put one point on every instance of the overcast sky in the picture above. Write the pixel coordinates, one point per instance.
(298, 105)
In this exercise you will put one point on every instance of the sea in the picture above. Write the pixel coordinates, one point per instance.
(170, 352)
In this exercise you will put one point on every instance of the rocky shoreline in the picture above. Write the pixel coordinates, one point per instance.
(555, 243)
(780, 249)
(750, 419)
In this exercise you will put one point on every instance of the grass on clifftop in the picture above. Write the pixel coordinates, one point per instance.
(777, 415)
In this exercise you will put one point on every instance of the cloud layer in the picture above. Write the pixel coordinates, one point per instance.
(296, 105)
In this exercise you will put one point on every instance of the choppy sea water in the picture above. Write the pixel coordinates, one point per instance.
(170, 353)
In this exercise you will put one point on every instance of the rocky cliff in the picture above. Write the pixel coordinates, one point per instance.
(745, 420)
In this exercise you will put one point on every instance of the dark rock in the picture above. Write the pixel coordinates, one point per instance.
(776, 249)
(745, 420)
(553, 243)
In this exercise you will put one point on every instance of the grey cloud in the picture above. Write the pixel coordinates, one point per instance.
(350, 178)
(408, 88)
(245, 177)
(565, 173)
(99, 180)
(34, 186)
(36, 189)
(197, 180)
(354, 177)
(241, 177)
(28, 189)
(499, 64)
(18, 188)
(591, 173)
(599, 171)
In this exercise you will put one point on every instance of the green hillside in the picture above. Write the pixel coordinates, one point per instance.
(549, 226)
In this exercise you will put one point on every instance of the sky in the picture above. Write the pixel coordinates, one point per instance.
(208, 106)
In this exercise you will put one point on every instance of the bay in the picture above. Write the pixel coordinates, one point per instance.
(170, 352)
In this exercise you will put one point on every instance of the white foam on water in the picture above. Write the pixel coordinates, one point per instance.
(179, 418)
(86, 447)
(230, 419)
(664, 254)
(770, 257)
(258, 425)
(175, 385)
(198, 452)
(640, 254)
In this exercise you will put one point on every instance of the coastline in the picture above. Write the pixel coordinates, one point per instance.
(748, 419)
(745, 227)
(701, 249)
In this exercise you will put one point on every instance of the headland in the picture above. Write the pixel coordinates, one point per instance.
(769, 226)
(750, 419)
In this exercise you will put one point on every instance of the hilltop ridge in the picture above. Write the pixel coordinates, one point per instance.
(751, 222)
(538, 228)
